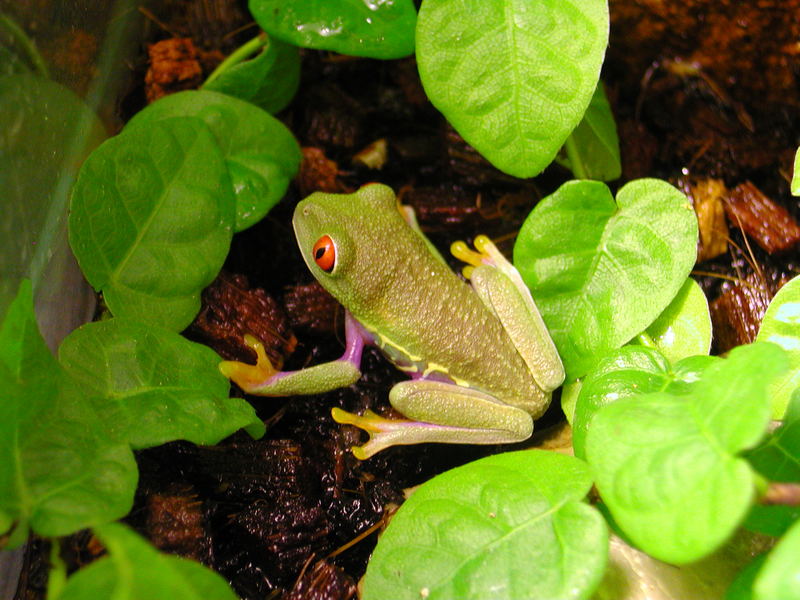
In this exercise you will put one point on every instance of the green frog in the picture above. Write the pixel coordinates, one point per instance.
(481, 362)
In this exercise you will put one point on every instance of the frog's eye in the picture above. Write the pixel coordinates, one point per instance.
(324, 253)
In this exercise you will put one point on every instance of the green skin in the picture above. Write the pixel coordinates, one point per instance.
(481, 360)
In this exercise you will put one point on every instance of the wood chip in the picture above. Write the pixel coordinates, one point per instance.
(770, 225)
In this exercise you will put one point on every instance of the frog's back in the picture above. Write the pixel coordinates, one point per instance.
(435, 323)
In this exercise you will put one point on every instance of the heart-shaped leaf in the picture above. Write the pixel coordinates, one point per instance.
(146, 228)
(153, 385)
(513, 77)
(602, 271)
(781, 325)
(507, 526)
(373, 28)
(667, 466)
(261, 154)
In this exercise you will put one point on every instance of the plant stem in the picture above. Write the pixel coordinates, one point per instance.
(644, 339)
(241, 53)
(575, 162)
(58, 571)
(21, 39)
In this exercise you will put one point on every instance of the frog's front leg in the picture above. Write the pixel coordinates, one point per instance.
(439, 412)
(499, 285)
(262, 379)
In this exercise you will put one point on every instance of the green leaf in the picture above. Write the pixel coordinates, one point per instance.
(795, 184)
(667, 466)
(631, 372)
(59, 472)
(151, 220)
(134, 570)
(772, 519)
(513, 77)
(593, 146)
(373, 28)
(781, 325)
(269, 80)
(507, 526)
(602, 271)
(46, 131)
(262, 155)
(742, 587)
(778, 457)
(779, 578)
(153, 385)
(684, 328)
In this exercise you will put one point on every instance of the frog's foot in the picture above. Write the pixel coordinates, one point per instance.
(447, 414)
(485, 253)
(250, 377)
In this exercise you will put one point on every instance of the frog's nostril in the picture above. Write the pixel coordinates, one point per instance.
(306, 211)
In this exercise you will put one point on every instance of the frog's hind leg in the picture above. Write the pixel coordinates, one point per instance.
(440, 412)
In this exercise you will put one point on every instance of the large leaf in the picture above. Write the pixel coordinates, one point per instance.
(601, 271)
(507, 526)
(59, 471)
(781, 325)
(261, 153)
(632, 371)
(593, 147)
(373, 28)
(153, 385)
(152, 218)
(134, 570)
(667, 466)
(513, 77)
(269, 80)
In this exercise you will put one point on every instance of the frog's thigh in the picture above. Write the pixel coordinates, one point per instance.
(450, 413)
(515, 309)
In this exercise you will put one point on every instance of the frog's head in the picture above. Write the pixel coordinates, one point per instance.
(343, 240)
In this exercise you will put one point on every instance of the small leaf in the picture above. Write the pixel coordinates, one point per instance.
(684, 328)
(507, 526)
(795, 184)
(631, 372)
(262, 155)
(59, 472)
(779, 578)
(778, 457)
(602, 271)
(593, 146)
(666, 464)
(151, 220)
(373, 28)
(153, 385)
(781, 325)
(513, 77)
(772, 519)
(742, 587)
(134, 570)
(269, 80)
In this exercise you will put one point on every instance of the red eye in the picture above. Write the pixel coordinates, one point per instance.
(325, 253)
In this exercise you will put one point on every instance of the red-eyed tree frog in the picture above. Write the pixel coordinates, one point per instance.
(481, 361)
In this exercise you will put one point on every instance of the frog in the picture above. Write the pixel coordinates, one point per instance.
(481, 363)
